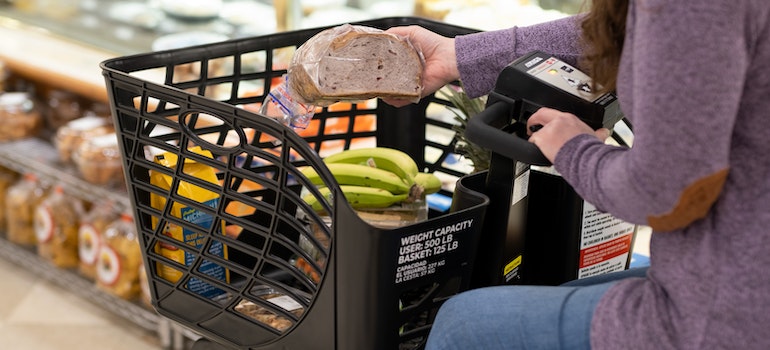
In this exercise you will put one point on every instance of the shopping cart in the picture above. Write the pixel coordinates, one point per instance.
(239, 257)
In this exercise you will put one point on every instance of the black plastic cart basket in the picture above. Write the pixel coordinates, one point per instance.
(240, 258)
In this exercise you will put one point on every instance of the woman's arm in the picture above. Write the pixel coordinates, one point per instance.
(482, 56)
(681, 82)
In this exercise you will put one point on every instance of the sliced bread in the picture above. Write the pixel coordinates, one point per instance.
(353, 63)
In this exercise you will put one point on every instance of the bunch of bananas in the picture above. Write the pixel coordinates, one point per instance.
(374, 177)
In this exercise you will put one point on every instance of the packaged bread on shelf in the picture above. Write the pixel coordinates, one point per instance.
(62, 107)
(69, 136)
(355, 63)
(98, 160)
(20, 116)
(120, 257)
(8, 178)
(145, 295)
(57, 219)
(21, 201)
(90, 232)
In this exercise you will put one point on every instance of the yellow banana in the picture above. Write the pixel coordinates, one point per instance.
(429, 182)
(389, 159)
(359, 197)
(360, 175)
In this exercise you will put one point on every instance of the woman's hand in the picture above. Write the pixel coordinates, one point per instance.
(439, 55)
(550, 129)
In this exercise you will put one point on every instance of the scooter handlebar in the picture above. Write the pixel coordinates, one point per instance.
(480, 130)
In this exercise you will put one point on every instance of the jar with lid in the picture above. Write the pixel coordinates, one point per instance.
(8, 178)
(57, 219)
(20, 115)
(90, 232)
(69, 136)
(117, 269)
(21, 200)
(98, 160)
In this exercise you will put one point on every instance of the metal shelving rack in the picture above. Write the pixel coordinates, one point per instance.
(41, 158)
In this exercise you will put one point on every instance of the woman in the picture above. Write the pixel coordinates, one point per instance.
(693, 79)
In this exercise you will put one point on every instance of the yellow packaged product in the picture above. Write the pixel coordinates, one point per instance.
(90, 233)
(21, 201)
(117, 269)
(194, 216)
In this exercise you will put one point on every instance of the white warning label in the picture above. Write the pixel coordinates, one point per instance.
(605, 243)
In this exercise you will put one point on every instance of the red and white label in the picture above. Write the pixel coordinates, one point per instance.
(605, 243)
(43, 224)
(108, 266)
(88, 244)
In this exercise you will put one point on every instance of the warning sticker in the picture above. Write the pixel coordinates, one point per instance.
(605, 243)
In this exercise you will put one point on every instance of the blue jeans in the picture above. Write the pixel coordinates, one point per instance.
(523, 317)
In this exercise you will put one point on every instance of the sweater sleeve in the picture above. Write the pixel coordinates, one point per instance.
(681, 81)
(482, 56)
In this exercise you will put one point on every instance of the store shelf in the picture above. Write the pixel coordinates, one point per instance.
(41, 158)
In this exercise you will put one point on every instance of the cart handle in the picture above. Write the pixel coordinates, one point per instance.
(480, 130)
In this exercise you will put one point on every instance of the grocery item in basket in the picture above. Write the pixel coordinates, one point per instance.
(56, 228)
(361, 175)
(98, 160)
(21, 201)
(354, 63)
(117, 269)
(264, 315)
(382, 184)
(191, 214)
(69, 136)
(385, 158)
(90, 233)
(20, 115)
(429, 182)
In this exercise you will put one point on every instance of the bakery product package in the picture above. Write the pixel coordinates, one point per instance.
(355, 63)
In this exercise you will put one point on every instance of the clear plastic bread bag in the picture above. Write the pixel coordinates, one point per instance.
(120, 258)
(282, 106)
(21, 201)
(57, 219)
(355, 63)
(90, 233)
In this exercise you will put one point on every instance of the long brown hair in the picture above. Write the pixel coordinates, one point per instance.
(603, 31)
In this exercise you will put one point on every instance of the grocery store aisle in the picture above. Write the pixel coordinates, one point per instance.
(38, 315)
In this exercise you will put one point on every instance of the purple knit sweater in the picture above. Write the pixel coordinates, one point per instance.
(695, 82)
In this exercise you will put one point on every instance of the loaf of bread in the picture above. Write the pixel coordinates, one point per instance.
(354, 63)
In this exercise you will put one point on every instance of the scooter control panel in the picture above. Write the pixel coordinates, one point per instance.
(541, 80)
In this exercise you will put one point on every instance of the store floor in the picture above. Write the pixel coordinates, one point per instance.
(38, 315)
